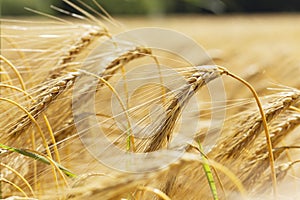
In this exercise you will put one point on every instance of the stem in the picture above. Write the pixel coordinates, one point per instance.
(156, 191)
(18, 175)
(15, 186)
(15, 71)
(130, 137)
(264, 121)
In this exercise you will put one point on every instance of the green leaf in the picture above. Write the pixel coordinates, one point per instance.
(38, 158)
(208, 174)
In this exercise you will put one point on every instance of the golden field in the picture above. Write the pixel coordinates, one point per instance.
(38, 114)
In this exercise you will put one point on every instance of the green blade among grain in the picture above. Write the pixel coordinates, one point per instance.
(208, 174)
(38, 158)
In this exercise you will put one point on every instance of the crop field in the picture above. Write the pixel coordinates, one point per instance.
(169, 107)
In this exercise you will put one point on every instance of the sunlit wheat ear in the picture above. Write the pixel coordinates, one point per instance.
(252, 123)
(237, 142)
(280, 128)
(124, 59)
(34, 122)
(80, 45)
(48, 94)
(256, 162)
(251, 145)
(174, 106)
(54, 88)
(44, 116)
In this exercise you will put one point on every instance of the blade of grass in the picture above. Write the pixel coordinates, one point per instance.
(44, 116)
(34, 121)
(32, 135)
(52, 163)
(208, 173)
(235, 180)
(40, 158)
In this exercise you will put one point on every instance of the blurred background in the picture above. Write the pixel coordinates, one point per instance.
(158, 7)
